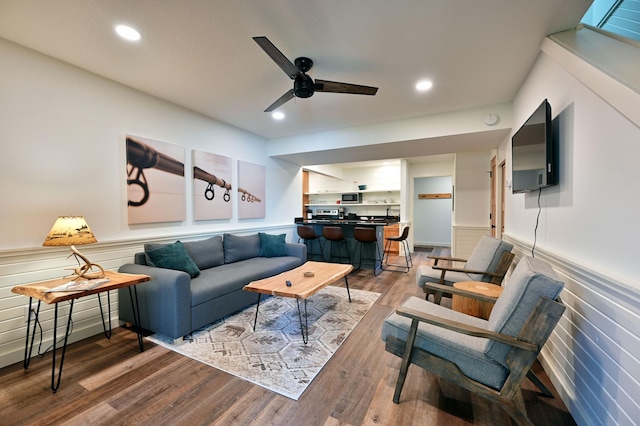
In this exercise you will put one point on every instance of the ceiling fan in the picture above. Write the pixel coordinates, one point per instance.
(303, 85)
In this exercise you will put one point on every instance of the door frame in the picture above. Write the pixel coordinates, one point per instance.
(498, 197)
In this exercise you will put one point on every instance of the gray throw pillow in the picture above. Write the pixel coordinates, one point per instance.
(237, 247)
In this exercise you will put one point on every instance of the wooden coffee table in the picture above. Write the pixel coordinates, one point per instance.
(301, 287)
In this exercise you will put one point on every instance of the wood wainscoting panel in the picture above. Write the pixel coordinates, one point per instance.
(465, 239)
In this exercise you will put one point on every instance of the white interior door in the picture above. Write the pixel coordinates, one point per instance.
(432, 217)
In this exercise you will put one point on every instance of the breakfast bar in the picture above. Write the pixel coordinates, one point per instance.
(348, 226)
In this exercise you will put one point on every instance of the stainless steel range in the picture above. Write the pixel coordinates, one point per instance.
(326, 214)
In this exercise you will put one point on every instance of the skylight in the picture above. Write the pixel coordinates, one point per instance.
(621, 17)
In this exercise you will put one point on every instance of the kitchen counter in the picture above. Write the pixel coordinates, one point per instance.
(357, 222)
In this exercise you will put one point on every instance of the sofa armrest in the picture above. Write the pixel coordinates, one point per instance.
(164, 302)
(298, 250)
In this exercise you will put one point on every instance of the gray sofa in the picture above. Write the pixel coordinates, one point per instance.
(201, 281)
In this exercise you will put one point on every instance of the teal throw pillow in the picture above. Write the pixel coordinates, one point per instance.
(273, 245)
(174, 256)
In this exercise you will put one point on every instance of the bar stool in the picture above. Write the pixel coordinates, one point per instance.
(367, 236)
(334, 233)
(402, 239)
(308, 235)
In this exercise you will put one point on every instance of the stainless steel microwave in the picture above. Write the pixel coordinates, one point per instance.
(352, 198)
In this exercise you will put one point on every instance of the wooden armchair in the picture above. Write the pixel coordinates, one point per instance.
(491, 357)
(489, 262)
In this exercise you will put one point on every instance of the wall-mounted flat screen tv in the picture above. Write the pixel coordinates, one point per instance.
(534, 152)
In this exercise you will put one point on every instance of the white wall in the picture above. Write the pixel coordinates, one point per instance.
(472, 183)
(62, 144)
(588, 230)
(592, 214)
(63, 151)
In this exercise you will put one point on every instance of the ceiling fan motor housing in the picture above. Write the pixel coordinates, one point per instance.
(303, 86)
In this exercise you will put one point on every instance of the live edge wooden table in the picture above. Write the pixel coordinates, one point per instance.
(38, 291)
(302, 286)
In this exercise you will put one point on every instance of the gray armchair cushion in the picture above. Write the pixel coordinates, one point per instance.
(531, 280)
(206, 253)
(486, 256)
(467, 352)
(237, 247)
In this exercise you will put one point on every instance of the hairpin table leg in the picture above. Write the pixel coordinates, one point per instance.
(257, 309)
(56, 384)
(304, 329)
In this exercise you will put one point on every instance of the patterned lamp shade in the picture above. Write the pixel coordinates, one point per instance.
(68, 231)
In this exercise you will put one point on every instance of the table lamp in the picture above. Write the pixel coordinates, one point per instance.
(69, 231)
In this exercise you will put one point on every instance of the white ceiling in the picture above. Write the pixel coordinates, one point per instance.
(200, 54)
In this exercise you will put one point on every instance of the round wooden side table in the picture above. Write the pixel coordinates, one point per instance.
(470, 306)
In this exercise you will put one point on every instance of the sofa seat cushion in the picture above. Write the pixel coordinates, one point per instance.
(224, 279)
(468, 352)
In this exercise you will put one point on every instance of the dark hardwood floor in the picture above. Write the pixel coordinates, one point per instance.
(110, 382)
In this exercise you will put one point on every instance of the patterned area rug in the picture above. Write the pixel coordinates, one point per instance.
(274, 356)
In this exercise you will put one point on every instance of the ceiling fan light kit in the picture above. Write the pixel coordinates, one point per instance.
(303, 85)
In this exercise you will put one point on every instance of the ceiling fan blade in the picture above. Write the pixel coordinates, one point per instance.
(287, 66)
(337, 87)
(281, 100)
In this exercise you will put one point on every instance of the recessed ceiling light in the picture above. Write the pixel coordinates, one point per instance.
(424, 85)
(128, 33)
(277, 115)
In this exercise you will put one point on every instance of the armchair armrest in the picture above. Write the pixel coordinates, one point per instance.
(449, 258)
(459, 292)
(468, 271)
(459, 327)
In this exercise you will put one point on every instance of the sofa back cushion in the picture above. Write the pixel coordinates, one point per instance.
(486, 256)
(206, 253)
(237, 247)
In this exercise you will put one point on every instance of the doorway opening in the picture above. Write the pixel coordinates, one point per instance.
(432, 217)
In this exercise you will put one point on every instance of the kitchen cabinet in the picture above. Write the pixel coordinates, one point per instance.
(392, 231)
(370, 198)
